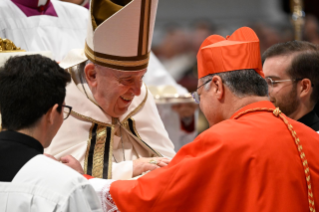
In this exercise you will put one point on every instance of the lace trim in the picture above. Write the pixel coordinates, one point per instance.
(108, 204)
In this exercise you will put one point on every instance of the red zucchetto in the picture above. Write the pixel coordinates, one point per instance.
(237, 52)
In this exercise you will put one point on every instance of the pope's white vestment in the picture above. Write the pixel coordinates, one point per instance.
(106, 146)
(44, 185)
(43, 32)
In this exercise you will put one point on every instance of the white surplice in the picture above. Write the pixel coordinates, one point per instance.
(43, 184)
(43, 32)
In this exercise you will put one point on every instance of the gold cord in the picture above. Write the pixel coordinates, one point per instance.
(302, 155)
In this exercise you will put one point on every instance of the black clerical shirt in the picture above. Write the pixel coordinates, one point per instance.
(311, 120)
(16, 149)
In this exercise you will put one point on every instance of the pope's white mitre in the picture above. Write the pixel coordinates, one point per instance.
(120, 33)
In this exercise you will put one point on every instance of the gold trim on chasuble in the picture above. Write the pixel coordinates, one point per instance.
(130, 127)
(98, 158)
(302, 155)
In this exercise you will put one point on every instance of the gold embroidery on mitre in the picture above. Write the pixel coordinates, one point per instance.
(146, 27)
(106, 61)
(7, 46)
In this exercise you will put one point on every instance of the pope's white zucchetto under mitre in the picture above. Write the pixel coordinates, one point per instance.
(120, 33)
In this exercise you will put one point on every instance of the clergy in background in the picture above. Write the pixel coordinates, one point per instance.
(252, 158)
(44, 25)
(291, 71)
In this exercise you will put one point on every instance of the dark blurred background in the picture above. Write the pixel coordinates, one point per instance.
(182, 25)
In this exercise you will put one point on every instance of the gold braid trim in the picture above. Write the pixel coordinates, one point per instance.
(86, 118)
(109, 176)
(302, 155)
(98, 156)
(88, 149)
(135, 129)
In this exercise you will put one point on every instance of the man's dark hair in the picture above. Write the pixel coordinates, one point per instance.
(305, 63)
(29, 87)
(243, 82)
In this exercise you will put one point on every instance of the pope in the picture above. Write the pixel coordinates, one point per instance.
(114, 129)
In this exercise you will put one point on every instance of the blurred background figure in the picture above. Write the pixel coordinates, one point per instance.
(183, 24)
(43, 25)
(311, 30)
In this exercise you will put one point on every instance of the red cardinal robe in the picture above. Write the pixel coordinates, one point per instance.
(249, 163)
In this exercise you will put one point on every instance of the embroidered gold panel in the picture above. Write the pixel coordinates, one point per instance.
(98, 159)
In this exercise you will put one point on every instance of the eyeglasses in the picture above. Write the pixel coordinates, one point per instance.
(66, 111)
(272, 83)
(196, 95)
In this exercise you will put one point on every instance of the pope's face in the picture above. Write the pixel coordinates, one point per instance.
(281, 94)
(116, 90)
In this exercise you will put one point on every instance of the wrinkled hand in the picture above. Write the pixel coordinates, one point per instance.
(185, 109)
(73, 163)
(142, 165)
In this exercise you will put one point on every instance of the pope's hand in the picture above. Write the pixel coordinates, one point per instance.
(148, 164)
(73, 163)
